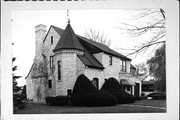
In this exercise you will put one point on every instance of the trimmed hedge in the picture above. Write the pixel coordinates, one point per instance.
(85, 94)
(98, 98)
(83, 85)
(113, 86)
(111, 83)
(57, 101)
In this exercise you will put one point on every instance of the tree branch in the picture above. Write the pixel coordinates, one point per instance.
(138, 50)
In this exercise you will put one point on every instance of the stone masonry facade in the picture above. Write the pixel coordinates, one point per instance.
(71, 67)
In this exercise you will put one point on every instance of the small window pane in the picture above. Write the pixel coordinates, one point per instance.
(110, 60)
(59, 70)
(50, 84)
(51, 40)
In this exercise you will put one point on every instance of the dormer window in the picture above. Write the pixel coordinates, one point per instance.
(110, 60)
(51, 40)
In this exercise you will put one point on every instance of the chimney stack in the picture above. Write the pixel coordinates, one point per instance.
(40, 32)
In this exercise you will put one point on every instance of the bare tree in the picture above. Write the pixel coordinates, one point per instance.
(149, 23)
(97, 36)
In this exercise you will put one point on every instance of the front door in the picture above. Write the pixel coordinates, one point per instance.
(136, 91)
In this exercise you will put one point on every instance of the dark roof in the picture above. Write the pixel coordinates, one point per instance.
(133, 67)
(147, 82)
(68, 40)
(102, 47)
(92, 46)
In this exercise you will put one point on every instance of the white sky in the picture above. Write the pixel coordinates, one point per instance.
(107, 21)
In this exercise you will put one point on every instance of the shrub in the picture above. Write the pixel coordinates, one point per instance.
(98, 98)
(113, 86)
(111, 83)
(157, 96)
(58, 100)
(83, 85)
(85, 94)
(18, 102)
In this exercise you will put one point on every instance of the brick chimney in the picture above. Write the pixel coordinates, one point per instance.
(40, 32)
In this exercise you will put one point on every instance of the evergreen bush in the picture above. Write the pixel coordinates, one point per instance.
(113, 86)
(85, 94)
(57, 101)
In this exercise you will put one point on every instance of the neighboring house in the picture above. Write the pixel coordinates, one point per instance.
(61, 56)
(147, 87)
(130, 81)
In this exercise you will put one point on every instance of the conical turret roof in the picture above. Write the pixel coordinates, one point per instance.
(68, 40)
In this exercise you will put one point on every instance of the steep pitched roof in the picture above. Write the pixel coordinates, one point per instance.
(94, 47)
(102, 47)
(133, 67)
(68, 40)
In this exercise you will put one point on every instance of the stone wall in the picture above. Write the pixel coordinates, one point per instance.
(68, 71)
(71, 68)
(111, 70)
(95, 73)
(48, 51)
(98, 56)
(80, 67)
(37, 82)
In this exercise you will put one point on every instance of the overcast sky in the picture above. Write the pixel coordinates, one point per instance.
(104, 21)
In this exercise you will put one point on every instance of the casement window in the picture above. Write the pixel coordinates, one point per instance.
(50, 84)
(51, 62)
(123, 65)
(110, 60)
(59, 70)
(51, 40)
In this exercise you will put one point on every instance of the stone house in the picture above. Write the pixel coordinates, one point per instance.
(61, 56)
